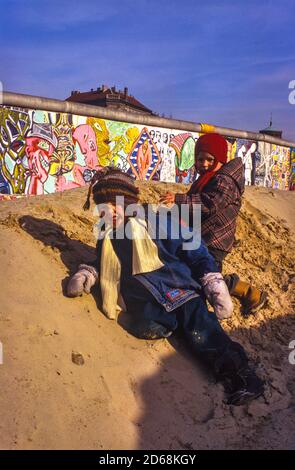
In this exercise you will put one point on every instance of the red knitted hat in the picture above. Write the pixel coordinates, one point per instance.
(214, 144)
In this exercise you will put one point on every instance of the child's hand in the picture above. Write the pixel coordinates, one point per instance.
(168, 198)
(82, 281)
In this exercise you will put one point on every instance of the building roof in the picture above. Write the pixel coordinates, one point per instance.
(106, 96)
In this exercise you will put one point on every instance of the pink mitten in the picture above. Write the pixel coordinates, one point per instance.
(217, 294)
(82, 281)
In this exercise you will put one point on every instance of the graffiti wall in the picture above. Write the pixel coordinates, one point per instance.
(44, 152)
(292, 169)
(273, 166)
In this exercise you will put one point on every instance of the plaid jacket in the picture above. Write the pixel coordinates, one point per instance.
(221, 200)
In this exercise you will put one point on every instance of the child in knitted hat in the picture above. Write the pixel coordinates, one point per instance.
(219, 190)
(162, 285)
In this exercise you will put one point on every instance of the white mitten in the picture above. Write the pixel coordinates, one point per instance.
(217, 294)
(82, 281)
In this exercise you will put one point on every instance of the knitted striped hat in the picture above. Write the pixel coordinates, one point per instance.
(110, 182)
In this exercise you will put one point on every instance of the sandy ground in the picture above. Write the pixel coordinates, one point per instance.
(128, 393)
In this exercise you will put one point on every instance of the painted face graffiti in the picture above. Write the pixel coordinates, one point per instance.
(85, 136)
(38, 152)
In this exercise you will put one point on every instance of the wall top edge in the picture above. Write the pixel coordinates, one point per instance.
(54, 105)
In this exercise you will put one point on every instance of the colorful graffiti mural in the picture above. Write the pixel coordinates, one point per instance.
(43, 152)
(273, 166)
(14, 126)
(246, 150)
(292, 169)
(144, 157)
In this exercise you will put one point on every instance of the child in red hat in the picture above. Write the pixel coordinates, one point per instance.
(219, 191)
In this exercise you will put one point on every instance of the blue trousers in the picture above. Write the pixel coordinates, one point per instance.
(199, 328)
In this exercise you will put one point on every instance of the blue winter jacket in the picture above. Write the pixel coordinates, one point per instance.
(179, 279)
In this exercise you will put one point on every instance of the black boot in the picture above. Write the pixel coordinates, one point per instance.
(240, 382)
(243, 387)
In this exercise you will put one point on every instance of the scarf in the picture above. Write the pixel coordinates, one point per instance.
(144, 259)
(200, 183)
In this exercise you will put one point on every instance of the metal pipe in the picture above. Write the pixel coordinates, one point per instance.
(58, 106)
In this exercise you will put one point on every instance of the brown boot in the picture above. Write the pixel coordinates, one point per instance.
(250, 297)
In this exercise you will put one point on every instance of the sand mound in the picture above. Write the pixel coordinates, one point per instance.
(73, 379)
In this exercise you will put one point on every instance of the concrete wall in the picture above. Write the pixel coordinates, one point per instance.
(45, 151)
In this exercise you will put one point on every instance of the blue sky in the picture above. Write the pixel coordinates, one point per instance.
(227, 63)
